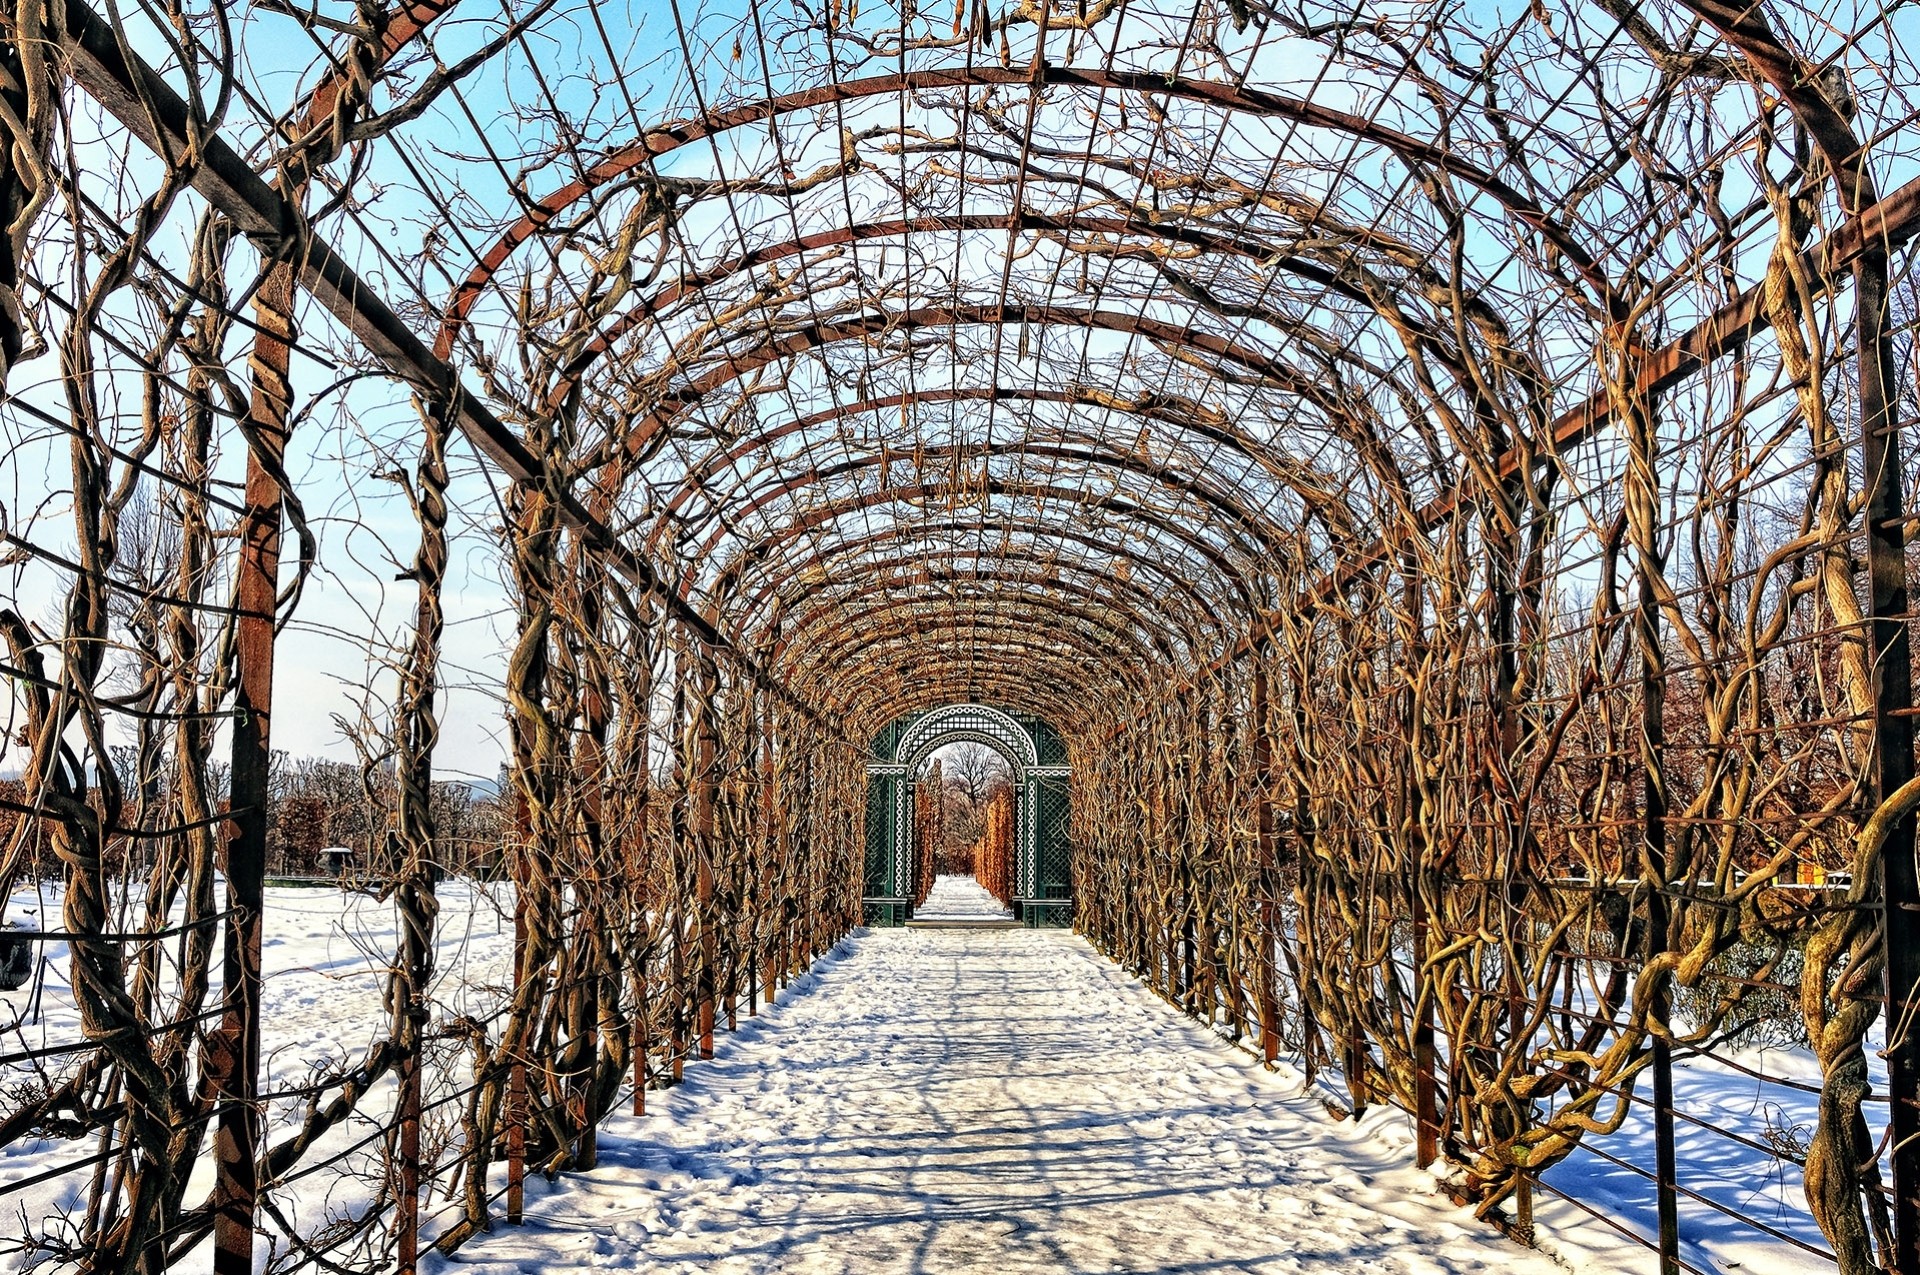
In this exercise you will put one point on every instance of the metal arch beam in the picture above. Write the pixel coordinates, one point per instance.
(1002, 686)
(1290, 263)
(982, 616)
(1166, 634)
(976, 633)
(1094, 456)
(1159, 408)
(962, 637)
(1892, 222)
(1066, 496)
(654, 143)
(994, 677)
(767, 592)
(1166, 637)
(401, 29)
(673, 404)
(776, 635)
(875, 704)
(942, 720)
(1129, 602)
(832, 613)
(148, 107)
(964, 735)
(946, 685)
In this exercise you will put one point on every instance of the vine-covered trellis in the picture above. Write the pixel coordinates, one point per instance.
(1439, 472)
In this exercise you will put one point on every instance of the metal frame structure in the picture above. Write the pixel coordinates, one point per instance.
(1435, 529)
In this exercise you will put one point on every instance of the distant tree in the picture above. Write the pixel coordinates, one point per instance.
(971, 774)
(974, 770)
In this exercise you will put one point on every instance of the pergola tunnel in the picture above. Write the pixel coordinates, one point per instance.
(515, 513)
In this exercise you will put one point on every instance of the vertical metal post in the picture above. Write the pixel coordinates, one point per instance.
(518, 1112)
(704, 966)
(703, 779)
(1269, 973)
(235, 1062)
(1653, 691)
(1642, 498)
(1426, 1091)
(407, 1207)
(1665, 1164)
(641, 1044)
(1893, 762)
(580, 1085)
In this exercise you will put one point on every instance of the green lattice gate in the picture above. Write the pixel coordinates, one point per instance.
(1043, 882)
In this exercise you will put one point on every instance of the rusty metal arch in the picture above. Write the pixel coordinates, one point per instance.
(634, 438)
(946, 684)
(1244, 585)
(871, 625)
(1092, 457)
(1330, 279)
(1031, 641)
(697, 480)
(1234, 98)
(1168, 636)
(869, 706)
(766, 598)
(848, 612)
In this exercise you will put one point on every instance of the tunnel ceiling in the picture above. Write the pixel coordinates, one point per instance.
(1034, 353)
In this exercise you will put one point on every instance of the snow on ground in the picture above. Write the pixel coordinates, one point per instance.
(946, 1098)
(1733, 1175)
(965, 1100)
(326, 958)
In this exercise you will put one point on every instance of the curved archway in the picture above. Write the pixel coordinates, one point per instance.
(1042, 869)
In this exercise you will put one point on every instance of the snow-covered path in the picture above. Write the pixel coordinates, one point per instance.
(952, 1100)
(957, 898)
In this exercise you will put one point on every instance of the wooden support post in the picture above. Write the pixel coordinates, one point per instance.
(641, 1043)
(580, 1085)
(1427, 1133)
(1266, 852)
(407, 1207)
(518, 1111)
(704, 782)
(708, 958)
(235, 1061)
(1426, 1091)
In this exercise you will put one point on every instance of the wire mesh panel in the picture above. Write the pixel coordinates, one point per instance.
(1051, 883)
(882, 829)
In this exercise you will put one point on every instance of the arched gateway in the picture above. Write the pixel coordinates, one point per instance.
(1042, 850)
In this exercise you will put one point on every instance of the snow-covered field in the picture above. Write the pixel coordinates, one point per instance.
(326, 956)
(958, 1100)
